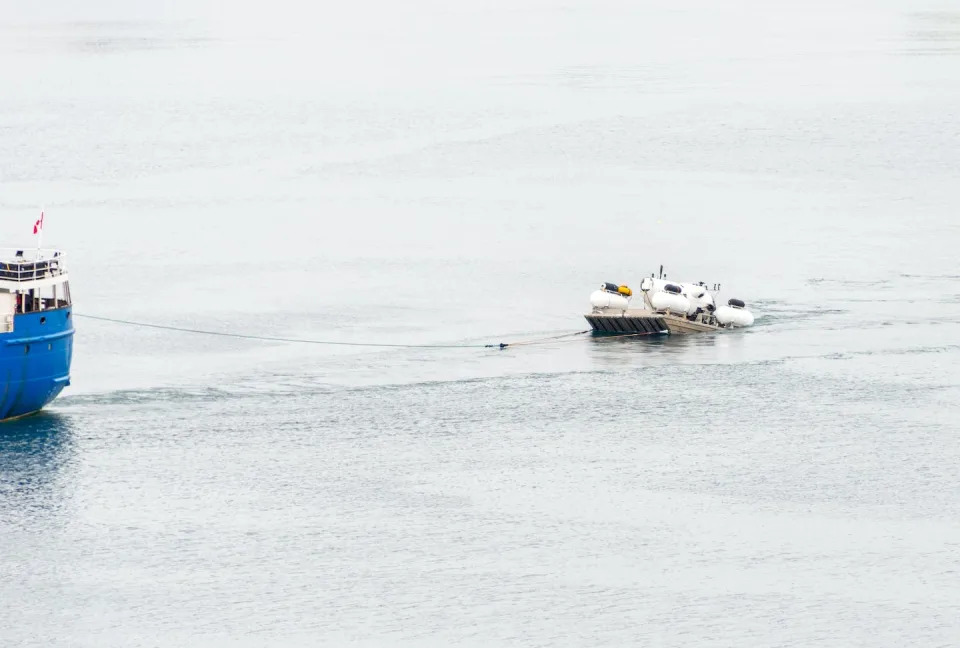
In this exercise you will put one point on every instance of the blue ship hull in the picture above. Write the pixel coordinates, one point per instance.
(35, 361)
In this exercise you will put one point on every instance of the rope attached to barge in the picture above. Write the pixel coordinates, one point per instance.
(266, 338)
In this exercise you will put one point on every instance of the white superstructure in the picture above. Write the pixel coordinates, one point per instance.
(31, 281)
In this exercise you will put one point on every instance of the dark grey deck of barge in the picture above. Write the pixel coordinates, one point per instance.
(649, 324)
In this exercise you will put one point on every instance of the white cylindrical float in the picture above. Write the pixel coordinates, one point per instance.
(604, 300)
(734, 316)
(665, 301)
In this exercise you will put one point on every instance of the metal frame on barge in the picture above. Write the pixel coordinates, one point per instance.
(640, 321)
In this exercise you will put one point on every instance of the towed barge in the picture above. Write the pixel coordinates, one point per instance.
(667, 308)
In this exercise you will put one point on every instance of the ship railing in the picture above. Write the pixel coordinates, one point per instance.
(30, 265)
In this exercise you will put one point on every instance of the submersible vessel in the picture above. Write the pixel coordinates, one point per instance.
(36, 330)
(668, 307)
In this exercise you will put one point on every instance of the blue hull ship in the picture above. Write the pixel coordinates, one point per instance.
(36, 331)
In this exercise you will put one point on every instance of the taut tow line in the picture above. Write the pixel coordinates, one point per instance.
(268, 338)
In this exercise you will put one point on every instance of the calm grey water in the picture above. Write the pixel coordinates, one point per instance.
(467, 173)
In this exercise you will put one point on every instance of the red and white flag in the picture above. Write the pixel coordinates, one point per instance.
(38, 226)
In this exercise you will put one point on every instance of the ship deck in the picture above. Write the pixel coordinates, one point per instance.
(29, 269)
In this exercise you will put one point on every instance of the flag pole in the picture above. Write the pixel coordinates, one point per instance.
(40, 233)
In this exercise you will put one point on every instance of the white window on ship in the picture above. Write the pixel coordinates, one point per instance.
(44, 298)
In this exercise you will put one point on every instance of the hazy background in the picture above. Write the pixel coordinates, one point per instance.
(467, 173)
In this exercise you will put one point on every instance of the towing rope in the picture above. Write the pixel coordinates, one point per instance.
(266, 338)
